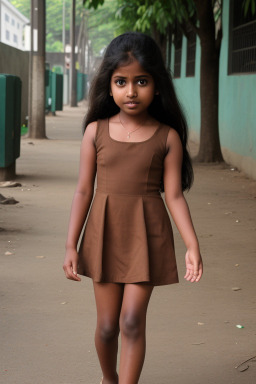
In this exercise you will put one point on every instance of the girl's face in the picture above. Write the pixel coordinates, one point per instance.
(132, 88)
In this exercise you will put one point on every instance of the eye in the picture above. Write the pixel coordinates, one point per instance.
(120, 82)
(142, 82)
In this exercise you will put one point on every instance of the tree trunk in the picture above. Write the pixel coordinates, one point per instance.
(161, 41)
(37, 71)
(209, 150)
(73, 98)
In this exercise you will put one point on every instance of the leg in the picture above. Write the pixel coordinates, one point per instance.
(133, 326)
(108, 302)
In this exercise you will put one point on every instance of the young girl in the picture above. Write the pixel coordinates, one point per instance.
(135, 139)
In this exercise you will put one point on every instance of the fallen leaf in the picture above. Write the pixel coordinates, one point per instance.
(242, 369)
(200, 323)
(8, 253)
(247, 366)
(40, 257)
(9, 184)
(236, 289)
(7, 200)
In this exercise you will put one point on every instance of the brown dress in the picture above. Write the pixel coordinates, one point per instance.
(128, 235)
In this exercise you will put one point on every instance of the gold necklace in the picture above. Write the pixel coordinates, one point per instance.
(129, 132)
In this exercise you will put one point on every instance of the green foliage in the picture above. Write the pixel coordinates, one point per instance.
(93, 3)
(142, 15)
(102, 25)
(54, 15)
(249, 5)
(126, 15)
(23, 6)
(101, 22)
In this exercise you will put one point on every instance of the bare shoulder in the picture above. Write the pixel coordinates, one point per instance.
(90, 131)
(91, 128)
(173, 139)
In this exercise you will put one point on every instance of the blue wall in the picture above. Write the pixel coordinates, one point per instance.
(237, 105)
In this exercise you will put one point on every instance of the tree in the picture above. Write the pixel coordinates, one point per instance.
(36, 122)
(209, 150)
(98, 21)
(73, 83)
(249, 5)
(23, 6)
(102, 25)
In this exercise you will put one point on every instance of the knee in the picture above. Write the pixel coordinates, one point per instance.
(107, 331)
(131, 326)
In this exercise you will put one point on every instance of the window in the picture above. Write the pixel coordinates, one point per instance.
(18, 25)
(191, 53)
(15, 38)
(13, 22)
(7, 35)
(6, 17)
(242, 40)
(177, 53)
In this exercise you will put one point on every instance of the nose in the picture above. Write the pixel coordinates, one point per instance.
(131, 91)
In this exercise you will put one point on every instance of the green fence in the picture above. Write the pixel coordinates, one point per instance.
(81, 86)
(10, 119)
(53, 91)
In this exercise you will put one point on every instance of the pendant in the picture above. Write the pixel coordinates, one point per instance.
(128, 135)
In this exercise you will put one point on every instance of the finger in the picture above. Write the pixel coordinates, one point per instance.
(199, 274)
(187, 275)
(74, 272)
(69, 273)
(188, 271)
(75, 277)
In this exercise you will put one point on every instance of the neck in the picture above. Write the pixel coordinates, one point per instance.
(133, 120)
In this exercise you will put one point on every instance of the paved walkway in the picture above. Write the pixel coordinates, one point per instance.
(47, 322)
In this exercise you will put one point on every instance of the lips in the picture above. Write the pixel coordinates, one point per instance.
(131, 103)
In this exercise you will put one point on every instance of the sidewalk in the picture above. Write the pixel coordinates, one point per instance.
(47, 322)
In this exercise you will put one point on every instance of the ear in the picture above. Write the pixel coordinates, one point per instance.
(110, 92)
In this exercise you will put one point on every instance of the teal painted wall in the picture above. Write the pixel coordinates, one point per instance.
(188, 88)
(237, 102)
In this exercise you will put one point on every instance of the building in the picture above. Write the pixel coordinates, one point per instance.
(237, 85)
(12, 25)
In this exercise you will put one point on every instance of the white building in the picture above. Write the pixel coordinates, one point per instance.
(12, 24)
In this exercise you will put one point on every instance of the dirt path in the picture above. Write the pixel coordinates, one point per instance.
(47, 322)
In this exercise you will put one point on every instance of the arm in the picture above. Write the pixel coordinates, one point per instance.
(178, 207)
(81, 201)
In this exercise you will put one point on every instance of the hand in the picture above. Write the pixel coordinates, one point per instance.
(70, 265)
(194, 266)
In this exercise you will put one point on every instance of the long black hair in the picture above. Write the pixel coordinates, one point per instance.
(165, 106)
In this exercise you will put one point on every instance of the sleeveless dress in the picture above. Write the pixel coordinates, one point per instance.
(128, 235)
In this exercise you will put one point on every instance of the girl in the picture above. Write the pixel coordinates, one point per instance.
(135, 138)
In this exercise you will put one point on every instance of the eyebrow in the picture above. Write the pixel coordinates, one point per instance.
(124, 77)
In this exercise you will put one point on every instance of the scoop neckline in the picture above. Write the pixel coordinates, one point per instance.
(133, 142)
